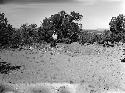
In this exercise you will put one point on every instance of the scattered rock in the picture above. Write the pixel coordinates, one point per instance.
(63, 89)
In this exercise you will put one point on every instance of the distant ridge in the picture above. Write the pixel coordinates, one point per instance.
(96, 31)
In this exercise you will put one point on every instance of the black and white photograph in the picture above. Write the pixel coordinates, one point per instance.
(62, 46)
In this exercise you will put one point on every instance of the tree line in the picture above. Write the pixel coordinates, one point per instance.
(65, 26)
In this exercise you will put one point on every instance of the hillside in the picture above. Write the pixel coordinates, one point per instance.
(94, 65)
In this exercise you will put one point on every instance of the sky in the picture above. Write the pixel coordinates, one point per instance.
(96, 13)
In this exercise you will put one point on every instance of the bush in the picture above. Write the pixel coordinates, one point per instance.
(105, 38)
(63, 25)
(117, 24)
(5, 67)
(66, 28)
(117, 27)
(87, 37)
(28, 34)
(6, 31)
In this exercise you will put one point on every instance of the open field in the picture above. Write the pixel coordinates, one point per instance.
(90, 68)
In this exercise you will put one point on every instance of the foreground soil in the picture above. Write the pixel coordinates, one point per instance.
(93, 65)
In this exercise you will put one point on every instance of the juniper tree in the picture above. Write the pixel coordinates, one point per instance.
(63, 24)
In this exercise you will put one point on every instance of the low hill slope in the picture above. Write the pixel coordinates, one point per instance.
(98, 66)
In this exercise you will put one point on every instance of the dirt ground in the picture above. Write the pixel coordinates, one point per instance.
(93, 65)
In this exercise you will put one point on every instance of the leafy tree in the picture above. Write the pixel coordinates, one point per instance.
(15, 39)
(117, 27)
(87, 37)
(28, 34)
(99, 38)
(106, 36)
(44, 35)
(33, 32)
(117, 24)
(6, 31)
(63, 24)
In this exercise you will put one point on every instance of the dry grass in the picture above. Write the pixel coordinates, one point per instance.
(97, 66)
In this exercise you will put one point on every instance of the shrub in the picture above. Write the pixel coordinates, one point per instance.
(117, 24)
(63, 25)
(6, 31)
(28, 34)
(87, 37)
(117, 27)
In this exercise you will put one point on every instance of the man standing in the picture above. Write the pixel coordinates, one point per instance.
(54, 36)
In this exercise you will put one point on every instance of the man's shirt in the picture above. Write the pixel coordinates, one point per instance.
(54, 36)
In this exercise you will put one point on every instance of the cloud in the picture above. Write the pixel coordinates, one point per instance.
(99, 0)
(87, 2)
(93, 2)
(56, 1)
(1, 1)
(35, 1)
(112, 0)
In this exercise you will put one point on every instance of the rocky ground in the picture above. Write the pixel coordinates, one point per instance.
(92, 66)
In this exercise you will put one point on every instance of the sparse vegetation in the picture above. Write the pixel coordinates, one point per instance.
(6, 67)
(117, 27)
(64, 26)
(6, 31)
(96, 66)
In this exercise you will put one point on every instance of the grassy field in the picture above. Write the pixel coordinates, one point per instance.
(92, 66)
